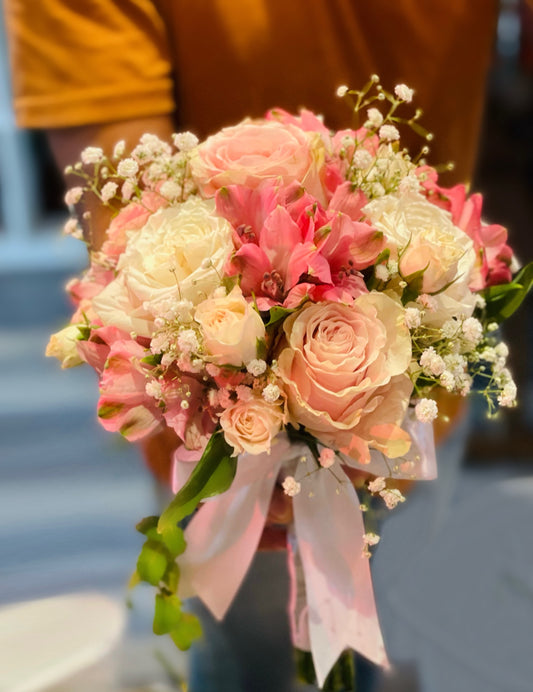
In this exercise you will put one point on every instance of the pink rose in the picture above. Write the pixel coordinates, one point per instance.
(250, 426)
(344, 374)
(257, 150)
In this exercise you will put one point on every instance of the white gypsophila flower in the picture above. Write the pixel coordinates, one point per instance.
(375, 119)
(493, 327)
(188, 341)
(185, 141)
(381, 272)
(413, 318)
(455, 363)
(426, 410)
(127, 168)
(73, 229)
(502, 350)
(403, 92)
(392, 497)
(92, 155)
(464, 384)
(431, 362)
(119, 149)
(153, 389)
(342, 91)
(447, 380)
(481, 303)
(472, 329)
(371, 538)
(362, 159)
(73, 196)
(154, 145)
(392, 266)
(410, 183)
(256, 367)
(507, 398)
(377, 190)
(377, 485)
(170, 189)
(450, 329)
(108, 191)
(389, 133)
(489, 354)
(271, 393)
(291, 487)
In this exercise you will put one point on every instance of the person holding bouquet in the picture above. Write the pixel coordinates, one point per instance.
(93, 76)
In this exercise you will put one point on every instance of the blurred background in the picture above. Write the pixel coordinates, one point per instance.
(70, 493)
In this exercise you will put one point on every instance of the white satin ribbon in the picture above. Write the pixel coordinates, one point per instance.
(336, 609)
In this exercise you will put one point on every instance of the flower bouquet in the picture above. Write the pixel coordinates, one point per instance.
(290, 301)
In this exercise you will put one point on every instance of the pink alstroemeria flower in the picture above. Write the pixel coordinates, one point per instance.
(194, 420)
(289, 247)
(124, 405)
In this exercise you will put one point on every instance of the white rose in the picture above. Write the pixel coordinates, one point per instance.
(63, 346)
(165, 263)
(422, 235)
(231, 328)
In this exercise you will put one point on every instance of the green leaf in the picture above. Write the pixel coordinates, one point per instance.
(277, 314)
(167, 614)
(172, 576)
(174, 539)
(504, 300)
(229, 282)
(84, 332)
(414, 286)
(152, 562)
(148, 527)
(152, 359)
(213, 475)
(188, 630)
(261, 349)
(383, 256)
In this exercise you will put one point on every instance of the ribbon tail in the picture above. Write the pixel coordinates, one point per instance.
(224, 534)
(419, 463)
(298, 611)
(341, 607)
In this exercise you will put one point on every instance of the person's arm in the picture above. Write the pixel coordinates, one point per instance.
(67, 144)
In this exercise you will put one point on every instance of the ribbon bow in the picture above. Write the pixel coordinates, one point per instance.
(332, 604)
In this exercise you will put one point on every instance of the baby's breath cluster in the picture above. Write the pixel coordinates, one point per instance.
(458, 356)
(153, 165)
(376, 163)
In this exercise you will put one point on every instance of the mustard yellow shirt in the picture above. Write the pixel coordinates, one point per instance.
(212, 62)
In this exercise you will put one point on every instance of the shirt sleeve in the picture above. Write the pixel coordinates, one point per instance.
(78, 63)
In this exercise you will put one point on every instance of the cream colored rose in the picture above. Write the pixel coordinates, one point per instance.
(250, 426)
(177, 255)
(344, 374)
(257, 150)
(63, 346)
(231, 328)
(423, 236)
